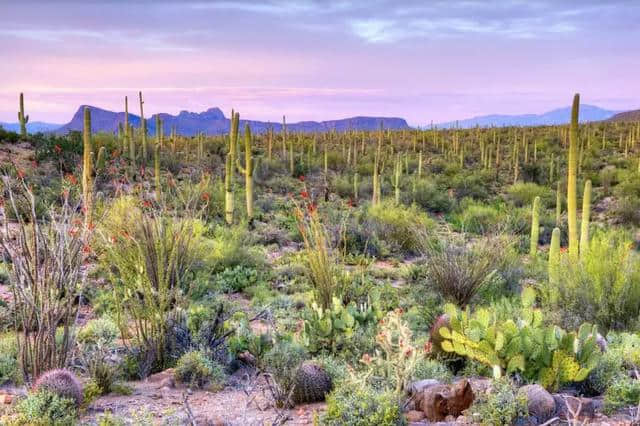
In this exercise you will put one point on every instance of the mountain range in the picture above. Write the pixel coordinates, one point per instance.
(626, 116)
(213, 122)
(35, 127)
(553, 117)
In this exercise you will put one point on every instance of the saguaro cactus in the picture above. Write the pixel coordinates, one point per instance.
(375, 199)
(554, 257)
(558, 205)
(229, 168)
(156, 170)
(143, 130)
(396, 178)
(584, 226)
(572, 178)
(23, 119)
(535, 227)
(87, 165)
(248, 171)
(101, 160)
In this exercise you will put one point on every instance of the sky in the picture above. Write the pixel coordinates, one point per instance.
(423, 60)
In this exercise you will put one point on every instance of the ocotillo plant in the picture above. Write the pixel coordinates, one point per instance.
(535, 227)
(584, 226)
(572, 177)
(248, 171)
(87, 166)
(23, 119)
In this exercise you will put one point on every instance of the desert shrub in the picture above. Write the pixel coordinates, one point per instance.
(45, 408)
(61, 382)
(607, 371)
(148, 267)
(63, 150)
(236, 279)
(502, 406)
(231, 247)
(96, 343)
(479, 219)
(430, 197)
(523, 194)
(603, 287)
(356, 404)
(474, 185)
(627, 210)
(46, 300)
(458, 271)
(281, 363)
(9, 368)
(404, 228)
(196, 370)
(8, 136)
(426, 368)
(621, 394)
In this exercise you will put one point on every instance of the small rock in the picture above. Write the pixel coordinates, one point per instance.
(7, 399)
(540, 402)
(168, 382)
(414, 416)
(438, 402)
(564, 406)
(420, 385)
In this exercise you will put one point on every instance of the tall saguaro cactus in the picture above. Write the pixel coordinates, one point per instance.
(554, 257)
(572, 178)
(229, 168)
(248, 171)
(584, 225)
(87, 154)
(23, 119)
(535, 227)
(143, 130)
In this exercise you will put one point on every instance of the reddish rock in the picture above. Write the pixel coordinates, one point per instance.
(438, 402)
(414, 416)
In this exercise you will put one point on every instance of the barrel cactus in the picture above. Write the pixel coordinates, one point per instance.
(61, 382)
(312, 383)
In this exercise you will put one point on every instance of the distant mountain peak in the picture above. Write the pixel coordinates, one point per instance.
(213, 121)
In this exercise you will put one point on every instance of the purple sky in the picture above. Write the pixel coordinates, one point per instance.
(422, 60)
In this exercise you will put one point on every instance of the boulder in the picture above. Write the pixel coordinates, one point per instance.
(420, 385)
(539, 402)
(584, 408)
(440, 401)
(414, 416)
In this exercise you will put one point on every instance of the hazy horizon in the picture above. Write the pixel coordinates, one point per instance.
(312, 60)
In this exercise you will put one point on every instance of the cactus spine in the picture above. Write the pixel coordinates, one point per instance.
(584, 226)
(87, 166)
(248, 171)
(572, 180)
(23, 119)
(535, 227)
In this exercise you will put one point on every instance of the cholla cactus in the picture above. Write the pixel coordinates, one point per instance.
(61, 382)
(398, 357)
(23, 119)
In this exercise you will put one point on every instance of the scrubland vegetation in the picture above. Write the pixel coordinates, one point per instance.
(345, 267)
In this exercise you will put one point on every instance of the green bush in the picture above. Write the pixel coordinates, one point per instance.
(236, 279)
(503, 406)
(99, 331)
(46, 408)
(426, 368)
(607, 371)
(196, 370)
(281, 363)
(603, 288)
(479, 219)
(523, 194)
(621, 394)
(354, 404)
(404, 228)
(9, 368)
(430, 197)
